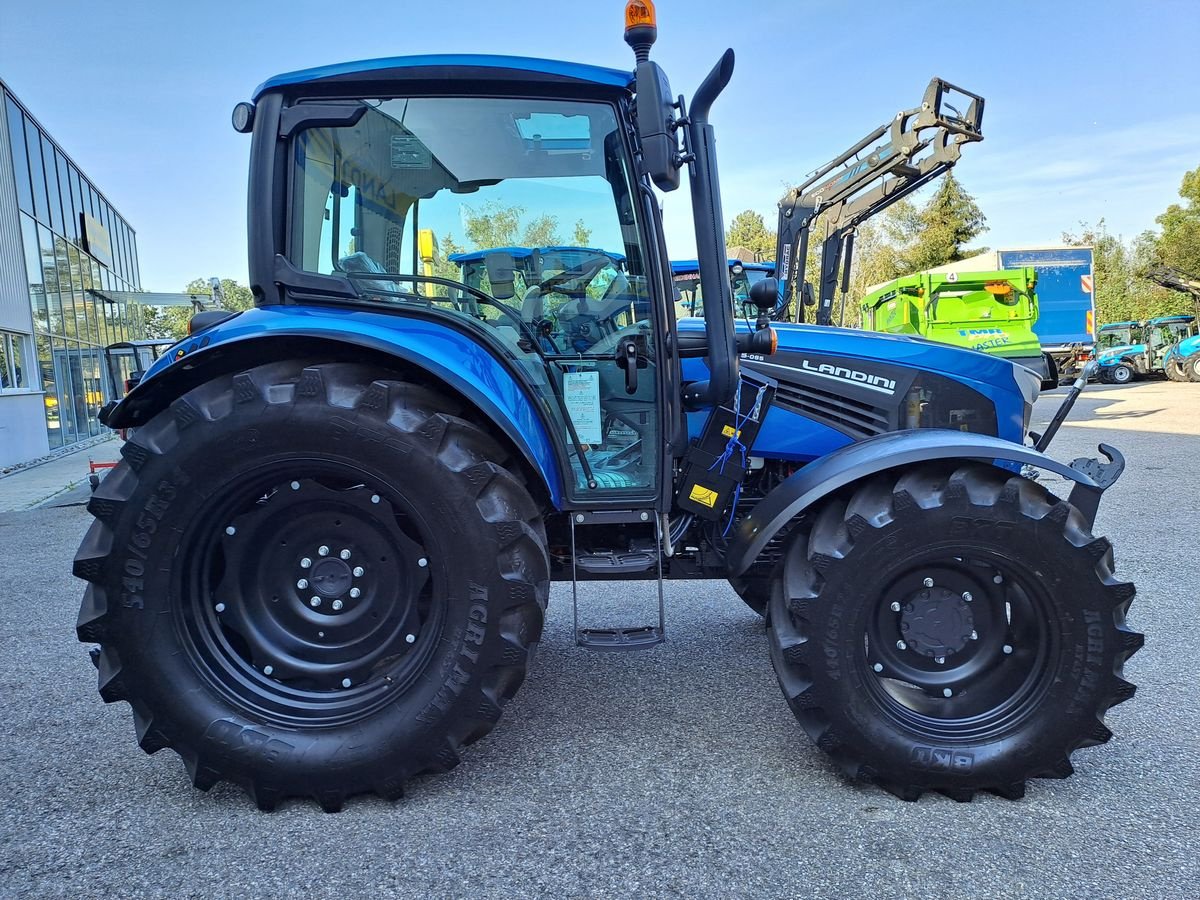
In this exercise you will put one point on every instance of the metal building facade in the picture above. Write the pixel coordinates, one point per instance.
(60, 241)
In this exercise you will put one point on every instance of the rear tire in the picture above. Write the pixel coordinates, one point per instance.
(1021, 621)
(1191, 366)
(311, 583)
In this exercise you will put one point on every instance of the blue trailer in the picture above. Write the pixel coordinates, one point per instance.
(1066, 324)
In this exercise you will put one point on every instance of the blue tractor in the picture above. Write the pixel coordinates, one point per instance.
(1166, 345)
(322, 566)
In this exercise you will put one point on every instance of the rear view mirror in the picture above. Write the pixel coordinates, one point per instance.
(806, 294)
(656, 126)
(500, 275)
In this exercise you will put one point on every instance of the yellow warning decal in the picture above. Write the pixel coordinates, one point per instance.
(728, 431)
(703, 495)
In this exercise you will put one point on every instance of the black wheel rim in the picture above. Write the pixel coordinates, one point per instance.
(307, 593)
(959, 646)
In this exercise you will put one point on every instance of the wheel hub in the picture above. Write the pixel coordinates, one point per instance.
(936, 622)
(331, 577)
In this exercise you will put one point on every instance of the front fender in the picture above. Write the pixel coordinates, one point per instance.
(448, 353)
(892, 450)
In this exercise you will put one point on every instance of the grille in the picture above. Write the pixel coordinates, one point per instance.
(853, 417)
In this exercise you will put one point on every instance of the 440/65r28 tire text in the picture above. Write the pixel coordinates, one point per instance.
(950, 629)
(312, 583)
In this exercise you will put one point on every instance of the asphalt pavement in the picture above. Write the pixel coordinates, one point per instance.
(674, 772)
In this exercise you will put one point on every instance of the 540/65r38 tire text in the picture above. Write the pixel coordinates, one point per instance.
(950, 629)
(312, 583)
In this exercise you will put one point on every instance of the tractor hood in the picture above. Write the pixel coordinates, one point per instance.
(1112, 354)
(849, 385)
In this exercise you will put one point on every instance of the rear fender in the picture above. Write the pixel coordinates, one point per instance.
(446, 353)
(902, 448)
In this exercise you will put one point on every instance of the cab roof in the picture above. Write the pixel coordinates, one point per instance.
(1119, 325)
(449, 66)
(1180, 317)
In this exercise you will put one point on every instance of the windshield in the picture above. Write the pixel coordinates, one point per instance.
(689, 297)
(1115, 337)
(518, 218)
(527, 201)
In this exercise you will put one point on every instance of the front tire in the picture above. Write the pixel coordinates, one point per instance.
(312, 583)
(952, 630)
(1121, 373)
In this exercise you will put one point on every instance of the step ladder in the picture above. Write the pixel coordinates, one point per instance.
(621, 564)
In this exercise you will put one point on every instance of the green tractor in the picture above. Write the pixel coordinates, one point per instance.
(989, 311)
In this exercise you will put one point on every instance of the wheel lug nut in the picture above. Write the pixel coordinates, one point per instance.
(355, 593)
(895, 607)
(374, 498)
(302, 583)
(320, 634)
(345, 682)
(337, 605)
(345, 554)
(322, 550)
(878, 667)
(220, 607)
(305, 563)
(358, 570)
(928, 582)
(1007, 649)
(295, 485)
(268, 670)
(974, 635)
(967, 596)
(314, 602)
(422, 562)
(410, 638)
(941, 660)
(229, 529)
(946, 692)
(998, 579)
(900, 645)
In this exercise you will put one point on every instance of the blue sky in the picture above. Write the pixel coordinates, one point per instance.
(1093, 109)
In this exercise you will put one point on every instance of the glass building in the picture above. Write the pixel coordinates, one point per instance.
(63, 246)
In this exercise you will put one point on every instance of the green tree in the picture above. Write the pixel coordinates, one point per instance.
(750, 231)
(943, 227)
(171, 321)
(1122, 293)
(496, 225)
(582, 236)
(1179, 243)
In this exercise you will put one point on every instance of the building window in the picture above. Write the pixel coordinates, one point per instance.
(14, 374)
(16, 141)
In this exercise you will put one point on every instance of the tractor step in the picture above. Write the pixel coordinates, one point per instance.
(641, 638)
(617, 564)
(611, 562)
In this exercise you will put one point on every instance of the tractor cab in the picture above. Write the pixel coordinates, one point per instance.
(1118, 335)
(689, 294)
(126, 362)
(1167, 331)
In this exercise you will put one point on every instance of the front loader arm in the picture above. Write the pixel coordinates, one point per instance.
(902, 156)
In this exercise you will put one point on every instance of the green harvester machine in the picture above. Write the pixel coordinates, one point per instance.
(993, 312)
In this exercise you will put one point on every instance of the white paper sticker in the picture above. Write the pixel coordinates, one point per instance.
(581, 392)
